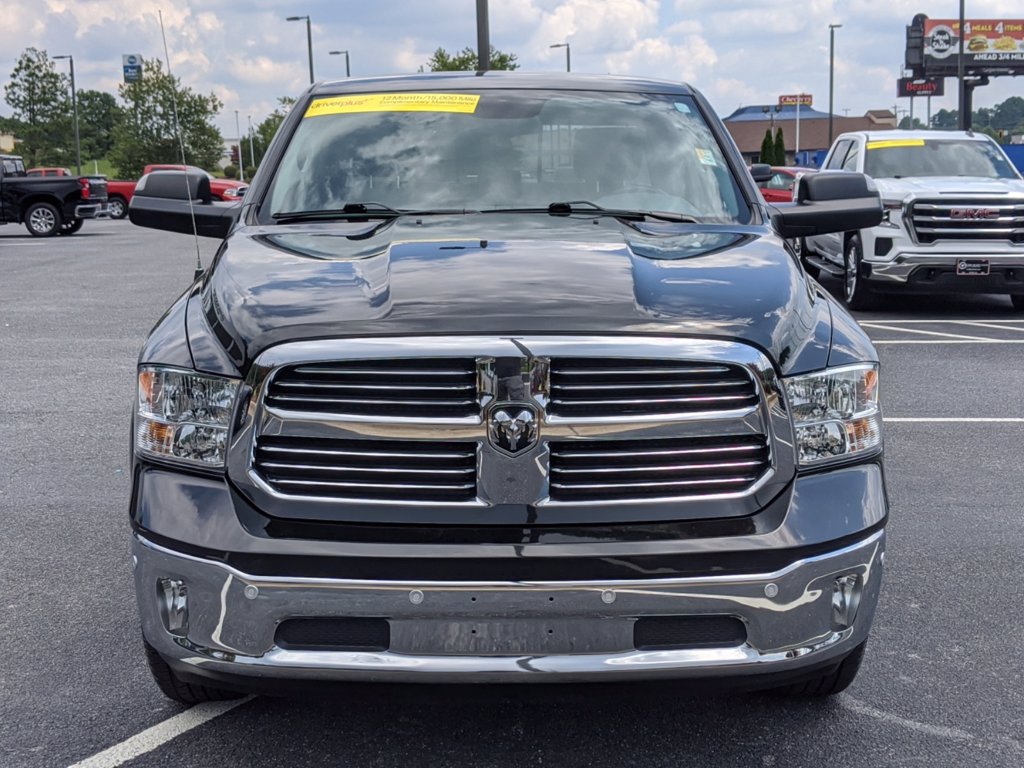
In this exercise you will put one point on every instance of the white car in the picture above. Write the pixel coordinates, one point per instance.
(954, 220)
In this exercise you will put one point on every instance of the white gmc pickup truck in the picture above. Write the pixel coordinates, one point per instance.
(954, 220)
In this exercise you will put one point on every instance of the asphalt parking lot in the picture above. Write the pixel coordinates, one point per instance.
(941, 685)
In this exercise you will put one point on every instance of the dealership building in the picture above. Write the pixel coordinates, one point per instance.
(748, 124)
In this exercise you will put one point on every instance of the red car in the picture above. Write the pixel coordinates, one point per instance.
(228, 190)
(779, 188)
(48, 172)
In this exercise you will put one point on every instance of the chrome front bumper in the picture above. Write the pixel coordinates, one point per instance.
(791, 617)
(898, 271)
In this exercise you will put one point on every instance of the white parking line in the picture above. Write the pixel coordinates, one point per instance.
(939, 321)
(980, 324)
(159, 734)
(952, 420)
(880, 327)
(876, 342)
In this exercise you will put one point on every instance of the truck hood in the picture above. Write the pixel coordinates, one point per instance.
(934, 186)
(509, 274)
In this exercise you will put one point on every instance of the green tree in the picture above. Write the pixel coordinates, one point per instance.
(780, 147)
(467, 59)
(145, 131)
(906, 123)
(39, 98)
(946, 119)
(767, 148)
(267, 129)
(1009, 115)
(98, 114)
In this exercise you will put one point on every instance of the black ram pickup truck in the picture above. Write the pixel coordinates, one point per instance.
(506, 377)
(48, 205)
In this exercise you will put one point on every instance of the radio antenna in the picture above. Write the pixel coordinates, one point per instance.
(181, 144)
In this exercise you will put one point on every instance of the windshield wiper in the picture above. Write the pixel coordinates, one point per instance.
(363, 210)
(572, 207)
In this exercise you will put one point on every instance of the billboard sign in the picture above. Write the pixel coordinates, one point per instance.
(989, 45)
(908, 87)
(796, 99)
(131, 63)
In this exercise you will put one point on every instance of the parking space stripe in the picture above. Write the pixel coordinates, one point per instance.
(952, 420)
(979, 324)
(876, 342)
(159, 734)
(880, 327)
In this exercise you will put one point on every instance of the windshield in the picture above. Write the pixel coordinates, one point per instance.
(896, 158)
(501, 149)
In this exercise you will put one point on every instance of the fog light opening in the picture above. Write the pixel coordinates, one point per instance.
(846, 593)
(172, 595)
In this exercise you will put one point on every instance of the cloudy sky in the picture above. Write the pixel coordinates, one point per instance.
(738, 52)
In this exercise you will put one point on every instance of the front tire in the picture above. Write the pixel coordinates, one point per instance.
(173, 687)
(1018, 301)
(117, 207)
(43, 220)
(835, 680)
(70, 227)
(856, 292)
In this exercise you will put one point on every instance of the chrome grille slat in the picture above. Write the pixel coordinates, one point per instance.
(613, 387)
(379, 470)
(625, 470)
(655, 468)
(431, 388)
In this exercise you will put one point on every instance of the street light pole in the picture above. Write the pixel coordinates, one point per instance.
(252, 152)
(74, 109)
(962, 110)
(483, 37)
(831, 74)
(309, 41)
(241, 157)
(568, 64)
(348, 72)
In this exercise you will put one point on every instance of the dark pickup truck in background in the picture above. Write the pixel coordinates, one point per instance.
(505, 377)
(48, 205)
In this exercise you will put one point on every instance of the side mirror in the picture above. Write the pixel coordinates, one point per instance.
(827, 202)
(761, 172)
(173, 200)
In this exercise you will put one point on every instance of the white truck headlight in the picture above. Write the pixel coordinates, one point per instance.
(835, 413)
(184, 416)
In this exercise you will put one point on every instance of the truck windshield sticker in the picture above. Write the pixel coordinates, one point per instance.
(706, 156)
(891, 143)
(464, 103)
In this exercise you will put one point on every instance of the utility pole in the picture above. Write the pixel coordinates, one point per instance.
(831, 74)
(74, 109)
(483, 37)
(962, 108)
(241, 157)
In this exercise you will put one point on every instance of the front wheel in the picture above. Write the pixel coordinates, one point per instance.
(70, 227)
(856, 291)
(1018, 301)
(117, 208)
(42, 220)
(173, 687)
(835, 680)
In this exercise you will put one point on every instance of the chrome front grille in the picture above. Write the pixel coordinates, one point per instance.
(597, 387)
(479, 430)
(418, 388)
(968, 219)
(614, 470)
(389, 470)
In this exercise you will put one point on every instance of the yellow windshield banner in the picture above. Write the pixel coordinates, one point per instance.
(464, 103)
(891, 143)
